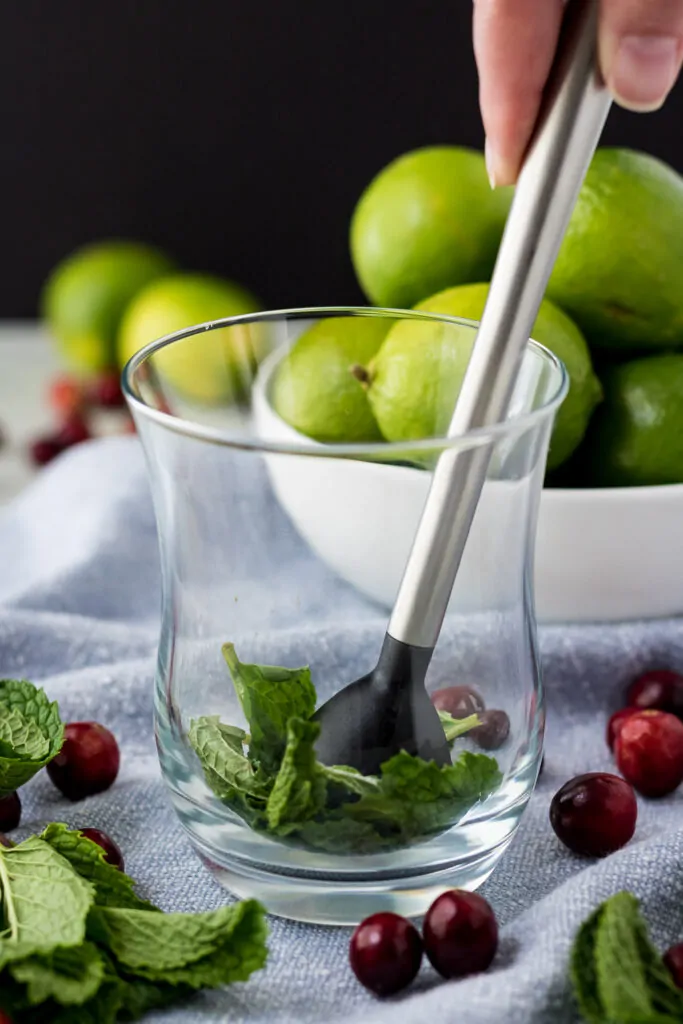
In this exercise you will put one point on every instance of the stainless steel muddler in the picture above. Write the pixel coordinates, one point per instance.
(389, 709)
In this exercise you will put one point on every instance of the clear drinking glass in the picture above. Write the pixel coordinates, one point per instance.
(279, 550)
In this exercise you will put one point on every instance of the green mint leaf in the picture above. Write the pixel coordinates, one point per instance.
(617, 975)
(103, 1008)
(197, 950)
(70, 975)
(113, 888)
(418, 797)
(300, 790)
(227, 770)
(44, 902)
(583, 971)
(270, 696)
(139, 997)
(454, 727)
(21, 737)
(350, 780)
(343, 835)
(633, 983)
(31, 733)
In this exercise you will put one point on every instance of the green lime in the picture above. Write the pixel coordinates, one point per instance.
(619, 273)
(556, 331)
(414, 379)
(315, 389)
(214, 366)
(429, 220)
(85, 295)
(636, 437)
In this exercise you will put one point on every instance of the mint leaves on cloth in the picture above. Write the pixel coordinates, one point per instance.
(618, 976)
(77, 945)
(273, 780)
(31, 733)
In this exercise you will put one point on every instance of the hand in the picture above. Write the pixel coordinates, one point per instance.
(641, 51)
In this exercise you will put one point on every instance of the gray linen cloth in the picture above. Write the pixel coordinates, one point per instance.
(79, 603)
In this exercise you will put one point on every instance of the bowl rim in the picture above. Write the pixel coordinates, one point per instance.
(381, 450)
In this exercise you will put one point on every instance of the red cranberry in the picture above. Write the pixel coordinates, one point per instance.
(660, 689)
(458, 701)
(460, 934)
(615, 724)
(88, 761)
(112, 852)
(385, 953)
(649, 752)
(7, 842)
(45, 449)
(10, 812)
(594, 814)
(66, 396)
(73, 431)
(105, 390)
(673, 959)
(493, 731)
(5, 1018)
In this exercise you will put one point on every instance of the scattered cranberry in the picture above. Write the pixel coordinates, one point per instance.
(73, 431)
(673, 959)
(7, 842)
(66, 396)
(660, 689)
(615, 724)
(385, 953)
(5, 1018)
(460, 934)
(112, 852)
(10, 812)
(105, 390)
(88, 761)
(594, 814)
(45, 449)
(649, 752)
(458, 701)
(493, 731)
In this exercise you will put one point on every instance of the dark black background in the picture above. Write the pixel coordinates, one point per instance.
(236, 134)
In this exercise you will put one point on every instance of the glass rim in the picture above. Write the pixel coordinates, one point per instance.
(215, 435)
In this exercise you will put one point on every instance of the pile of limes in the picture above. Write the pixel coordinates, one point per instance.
(109, 299)
(425, 234)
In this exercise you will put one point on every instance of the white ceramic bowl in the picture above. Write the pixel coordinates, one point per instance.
(601, 555)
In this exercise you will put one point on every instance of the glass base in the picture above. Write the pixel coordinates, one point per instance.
(348, 903)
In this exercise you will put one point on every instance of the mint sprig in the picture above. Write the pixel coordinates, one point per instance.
(272, 779)
(617, 974)
(31, 733)
(77, 945)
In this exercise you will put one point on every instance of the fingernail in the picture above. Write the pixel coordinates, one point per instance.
(490, 159)
(643, 71)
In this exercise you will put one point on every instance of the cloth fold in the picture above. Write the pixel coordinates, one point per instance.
(79, 614)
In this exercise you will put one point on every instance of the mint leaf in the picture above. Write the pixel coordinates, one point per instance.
(138, 996)
(70, 976)
(583, 970)
(350, 780)
(617, 974)
(196, 950)
(228, 771)
(343, 835)
(113, 888)
(418, 797)
(454, 727)
(44, 902)
(31, 733)
(300, 789)
(270, 696)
